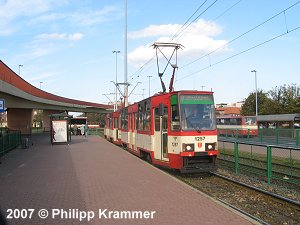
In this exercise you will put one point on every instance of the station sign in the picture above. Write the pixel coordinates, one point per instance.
(2, 106)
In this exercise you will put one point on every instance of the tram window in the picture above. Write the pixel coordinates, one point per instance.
(140, 117)
(157, 119)
(136, 121)
(165, 119)
(140, 126)
(175, 124)
(147, 116)
(147, 122)
(235, 121)
(250, 120)
(125, 119)
(110, 123)
(115, 122)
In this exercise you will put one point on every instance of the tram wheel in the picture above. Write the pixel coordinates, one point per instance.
(149, 159)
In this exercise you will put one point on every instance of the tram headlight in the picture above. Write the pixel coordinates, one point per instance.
(210, 146)
(188, 147)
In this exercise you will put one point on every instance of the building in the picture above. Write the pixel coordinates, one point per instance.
(232, 109)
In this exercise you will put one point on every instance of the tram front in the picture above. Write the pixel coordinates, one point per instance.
(193, 132)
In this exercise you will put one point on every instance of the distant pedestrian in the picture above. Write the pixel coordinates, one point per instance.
(82, 130)
(75, 129)
(86, 130)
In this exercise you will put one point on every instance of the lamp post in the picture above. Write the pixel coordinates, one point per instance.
(116, 94)
(149, 84)
(20, 69)
(41, 84)
(256, 106)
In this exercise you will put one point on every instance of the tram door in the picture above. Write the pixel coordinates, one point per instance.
(161, 133)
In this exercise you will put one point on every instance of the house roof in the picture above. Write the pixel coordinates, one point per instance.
(229, 110)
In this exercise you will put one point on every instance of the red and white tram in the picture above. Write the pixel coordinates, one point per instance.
(241, 126)
(111, 130)
(176, 130)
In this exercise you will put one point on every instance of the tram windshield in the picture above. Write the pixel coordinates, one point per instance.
(197, 112)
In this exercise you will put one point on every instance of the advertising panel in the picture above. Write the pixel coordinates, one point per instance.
(59, 129)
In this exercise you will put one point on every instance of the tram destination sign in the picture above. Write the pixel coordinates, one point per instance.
(2, 106)
(196, 99)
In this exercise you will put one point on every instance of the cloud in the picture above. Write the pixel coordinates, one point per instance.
(5, 31)
(12, 12)
(11, 9)
(47, 18)
(94, 17)
(57, 36)
(198, 39)
(200, 27)
(82, 18)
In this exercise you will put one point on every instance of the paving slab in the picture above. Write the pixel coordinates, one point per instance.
(91, 181)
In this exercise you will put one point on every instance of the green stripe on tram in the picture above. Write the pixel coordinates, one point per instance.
(196, 102)
(174, 100)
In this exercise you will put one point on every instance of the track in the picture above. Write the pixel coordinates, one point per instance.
(262, 206)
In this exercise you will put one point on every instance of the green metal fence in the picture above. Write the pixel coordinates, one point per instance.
(270, 162)
(278, 136)
(9, 140)
(95, 131)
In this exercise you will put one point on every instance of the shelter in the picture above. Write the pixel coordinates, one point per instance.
(279, 121)
(60, 128)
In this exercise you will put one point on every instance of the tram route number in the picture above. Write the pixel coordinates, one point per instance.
(199, 138)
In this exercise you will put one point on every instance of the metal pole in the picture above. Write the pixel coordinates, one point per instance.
(149, 84)
(116, 92)
(20, 69)
(125, 60)
(269, 164)
(236, 157)
(256, 106)
(41, 84)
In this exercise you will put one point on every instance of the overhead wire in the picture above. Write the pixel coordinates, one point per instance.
(133, 76)
(184, 28)
(241, 35)
(242, 52)
(236, 38)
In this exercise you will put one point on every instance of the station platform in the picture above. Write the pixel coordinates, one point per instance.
(93, 176)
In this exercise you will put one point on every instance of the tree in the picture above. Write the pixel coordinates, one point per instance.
(249, 107)
(284, 99)
(97, 118)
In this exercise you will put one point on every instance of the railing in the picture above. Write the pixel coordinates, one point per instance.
(9, 140)
(271, 162)
(95, 131)
(278, 136)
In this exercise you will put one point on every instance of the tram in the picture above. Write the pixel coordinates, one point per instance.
(242, 126)
(175, 129)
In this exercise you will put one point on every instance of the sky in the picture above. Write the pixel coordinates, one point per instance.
(66, 47)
